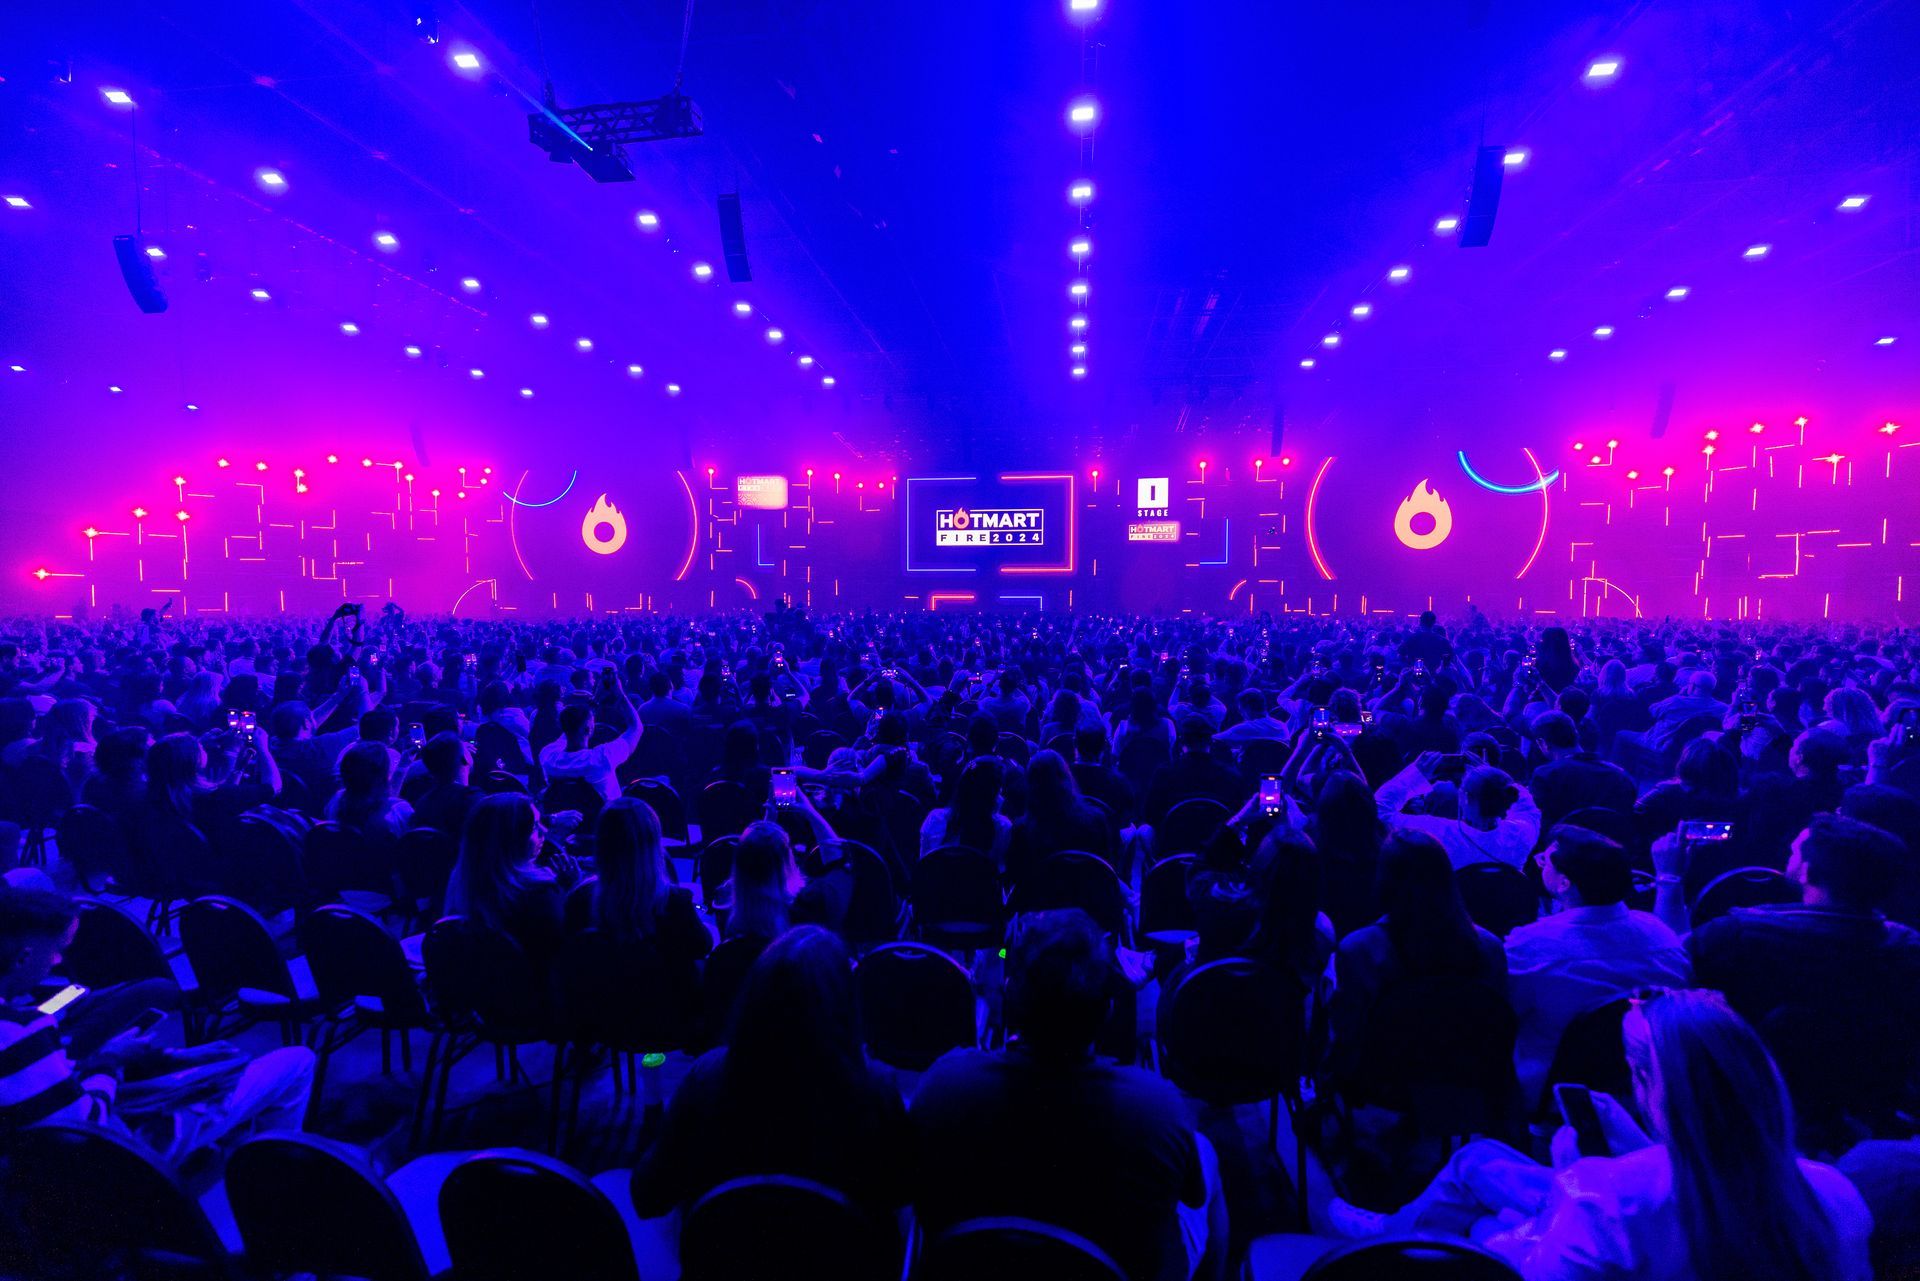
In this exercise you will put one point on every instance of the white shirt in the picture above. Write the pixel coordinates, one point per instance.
(594, 764)
(1563, 965)
(1510, 840)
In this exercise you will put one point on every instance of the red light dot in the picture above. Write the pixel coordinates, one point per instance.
(181, 516)
(1286, 462)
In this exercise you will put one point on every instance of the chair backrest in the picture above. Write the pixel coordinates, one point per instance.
(819, 746)
(110, 947)
(771, 1225)
(510, 1215)
(664, 799)
(1164, 907)
(351, 956)
(873, 912)
(725, 810)
(622, 993)
(93, 841)
(171, 859)
(1234, 1031)
(230, 947)
(84, 1195)
(339, 858)
(1742, 887)
(1410, 1259)
(1010, 1249)
(1591, 1053)
(43, 791)
(1498, 897)
(956, 888)
(268, 865)
(1189, 827)
(308, 1204)
(1440, 1048)
(917, 1003)
(1013, 747)
(1074, 878)
(423, 862)
(572, 794)
(492, 744)
(480, 974)
(714, 867)
(1140, 756)
(720, 982)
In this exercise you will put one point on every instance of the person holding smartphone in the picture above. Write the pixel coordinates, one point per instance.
(575, 755)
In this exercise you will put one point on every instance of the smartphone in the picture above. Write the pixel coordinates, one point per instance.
(62, 999)
(780, 660)
(785, 788)
(1271, 802)
(1453, 765)
(149, 1019)
(1527, 663)
(1346, 729)
(1703, 830)
(241, 720)
(416, 735)
(1576, 1107)
(1902, 735)
(726, 670)
(471, 662)
(1322, 724)
(889, 672)
(1366, 718)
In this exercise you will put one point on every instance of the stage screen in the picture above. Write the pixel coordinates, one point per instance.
(1012, 522)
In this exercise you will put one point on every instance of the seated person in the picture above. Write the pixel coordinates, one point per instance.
(1045, 1130)
(499, 880)
(634, 897)
(365, 802)
(575, 755)
(1497, 822)
(448, 799)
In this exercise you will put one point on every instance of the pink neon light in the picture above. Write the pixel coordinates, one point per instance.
(1073, 523)
(1313, 542)
(693, 528)
(934, 599)
(1541, 541)
(752, 591)
(513, 539)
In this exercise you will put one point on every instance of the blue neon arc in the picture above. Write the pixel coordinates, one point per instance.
(1531, 487)
(518, 502)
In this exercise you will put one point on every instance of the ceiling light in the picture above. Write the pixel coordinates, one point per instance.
(1307, 363)
(413, 353)
(1086, 8)
(1078, 289)
(647, 219)
(1757, 251)
(1516, 157)
(18, 202)
(673, 389)
(1331, 340)
(1447, 226)
(827, 381)
(774, 335)
(1083, 113)
(114, 389)
(1854, 202)
(1078, 349)
(466, 60)
(1558, 353)
(156, 253)
(701, 271)
(634, 371)
(270, 180)
(538, 320)
(584, 344)
(1399, 273)
(1677, 292)
(1080, 248)
(1080, 192)
(476, 373)
(1361, 310)
(526, 393)
(471, 285)
(1603, 331)
(1884, 342)
(806, 362)
(261, 295)
(743, 309)
(1078, 322)
(349, 328)
(1602, 71)
(386, 240)
(18, 369)
(193, 409)
(118, 97)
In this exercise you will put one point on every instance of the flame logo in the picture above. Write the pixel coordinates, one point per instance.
(1423, 501)
(962, 518)
(604, 514)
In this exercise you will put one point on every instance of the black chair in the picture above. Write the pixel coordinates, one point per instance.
(1012, 747)
(90, 1202)
(1742, 887)
(902, 813)
(720, 982)
(95, 844)
(957, 902)
(1590, 1053)
(1166, 914)
(1410, 1259)
(661, 797)
(110, 947)
(725, 810)
(340, 860)
(1009, 1249)
(364, 983)
(423, 863)
(171, 861)
(1499, 898)
(1440, 1050)
(623, 996)
(873, 910)
(1074, 878)
(238, 972)
(1140, 756)
(42, 795)
(775, 1226)
(714, 867)
(818, 747)
(917, 1003)
(513, 1215)
(659, 756)
(573, 794)
(304, 1204)
(1233, 1032)
(1189, 827)
(267, 864)
(483, 991)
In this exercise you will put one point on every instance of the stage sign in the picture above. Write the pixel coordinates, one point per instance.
(1009, 523)
(1153, 531)
(1155, 497)
(769, 493)
(989, 527)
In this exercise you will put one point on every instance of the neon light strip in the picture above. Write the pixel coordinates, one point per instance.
(1236, 589)
(455, 607)
(1540, 483)
(752, 591)
(1313, 543)
(514, 499)
(907, 536)
(1226, 543)
(1545, 513)
(693, 527)
(513, 538)
(934, 598)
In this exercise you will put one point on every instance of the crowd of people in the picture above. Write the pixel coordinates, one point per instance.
(1702, 840)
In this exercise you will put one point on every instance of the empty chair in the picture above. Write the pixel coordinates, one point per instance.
(340, 859)
(1188, 827)
(93, 841)
(773, 1226)
(304, 1204)
(267, 862)
(110, 947)
(514, 1215)
(1166, 914)
(170, 861)
(1010, 1249)
(1074, 878)
(917, 1003)
(873, 910)
(94, 1203)
(238, 970)
(1742, 887)
(484, 992)
(1498, 897)
(957, 901)
(364, 983)
(42, 795)
(622, 995)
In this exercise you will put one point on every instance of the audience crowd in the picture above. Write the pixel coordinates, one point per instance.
(1591, 947)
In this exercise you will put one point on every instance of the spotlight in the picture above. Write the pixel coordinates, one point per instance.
(1079, 371)
(1080, 248)
(647, 219)
(413, 353)
(1884, 342)
(1757, 251)
(156, 253)
(1602, 71)
(1603, 331)
(471, 285)
(1558, 353)
(1677, 292)
(526, 393)
(774, 335)
(806, 362)
(1361, 310)
(827, 381)
(583, 344)
(1077, 323)
(465, 60)
(259, 466)
(118, 97)
(366, 462)
(1078, 289)
(115, 390)
(634, 371)
(1307, 363)
(333, 458)
(1083, 113)
(386, 240)
(538, 320)
(1399, 274)
(1078, 349)
(1633, 475)
(701, 271)
(1516, 158)
(1330, 341)
(673, 389)
(1083, 9)
(1757, 428)
(1852, 203)
(743, 309)
(1447, 226)
(18, 202)
(182, 516)
(1713, 434)
(1079, 193)
(139, 513)
(348, 328)
(270, 180)
(1666, 471)
(221, 462)
(476, 374)
(260, 295)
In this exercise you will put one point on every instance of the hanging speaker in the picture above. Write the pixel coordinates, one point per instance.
(138, 272)
(733, 239)
(1489, 166)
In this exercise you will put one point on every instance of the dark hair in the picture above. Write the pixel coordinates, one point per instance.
(1855, 863)
(1089, 743)
(1707, 767)
(173, 774)
(379, 724)
(28, 914)
(366, 777)
(1196, 733)
(796, 1026)
(1052, 796)
(443, 756)
(1423, 914)
(1059, 970)
(491, 873)
(1556, 730)
(763, 883)
(1287, 891)
(573, 720)
(976, 799)
(1599, 868)
(630, 860)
